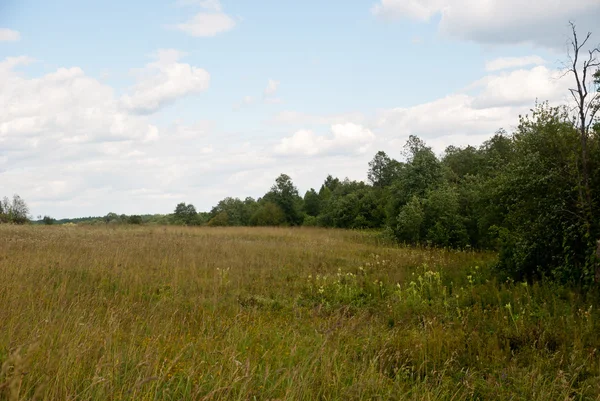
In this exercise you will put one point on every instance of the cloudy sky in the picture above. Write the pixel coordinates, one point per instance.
(134, 106)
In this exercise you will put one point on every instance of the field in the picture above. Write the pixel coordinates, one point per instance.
(155, 313)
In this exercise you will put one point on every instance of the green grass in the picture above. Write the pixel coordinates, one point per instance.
(279, 314)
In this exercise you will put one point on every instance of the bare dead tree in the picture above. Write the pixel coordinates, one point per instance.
(585, 69)
(587, 104)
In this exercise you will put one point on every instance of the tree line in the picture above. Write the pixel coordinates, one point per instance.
(532, 195)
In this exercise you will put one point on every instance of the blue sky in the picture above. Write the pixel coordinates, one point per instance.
(132, 107)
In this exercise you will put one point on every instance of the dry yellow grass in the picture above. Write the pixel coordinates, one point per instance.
(157, 313)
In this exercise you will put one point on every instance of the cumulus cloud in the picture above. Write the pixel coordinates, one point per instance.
(209, 22)
(346, 137)
(163, 81)
(471, 117)
(467, 117)
(496, 21)
(504, 63)
(8, 35)
(69, 148)
(65, 106)
(517, 88)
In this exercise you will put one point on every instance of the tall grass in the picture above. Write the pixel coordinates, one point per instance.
(274, 313)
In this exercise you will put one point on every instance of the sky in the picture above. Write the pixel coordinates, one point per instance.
(134, 106)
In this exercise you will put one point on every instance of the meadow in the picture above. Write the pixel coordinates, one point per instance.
(197, 313)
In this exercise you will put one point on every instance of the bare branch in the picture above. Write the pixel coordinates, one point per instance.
(592, 108)
(574, 93)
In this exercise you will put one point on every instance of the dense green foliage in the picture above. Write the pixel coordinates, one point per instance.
(14, 211)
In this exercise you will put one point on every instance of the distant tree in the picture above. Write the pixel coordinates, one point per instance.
(203, 217)
(238, 211)
(111, 218)
(47, 220)
(249, 208)
(268, 214)
(185, 214)
(444, 222)
(285, 195)
(221, 219)
(353, 204)
(410, 222)
(330, 183)
(19, 210)
(4, 207)
(135, 219)
(383, 170)
(377, 169)
(462, 161)
(422, 172)
(312, 203)
(496, 153)
(233, 207)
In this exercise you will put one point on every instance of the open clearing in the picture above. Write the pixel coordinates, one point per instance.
(154, 313)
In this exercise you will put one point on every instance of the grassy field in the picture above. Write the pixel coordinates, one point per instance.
(155, 313)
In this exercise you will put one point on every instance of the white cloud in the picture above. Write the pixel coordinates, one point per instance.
(519, 87)
(70, 149)
(8, 35)
(541, 22)
(8, 65)
(63, 106)
(272, 87)
(346, 137)
(451, 115)
(303, 142)
(207, 23)
(489, 104)
(504, 63)
(163, 81)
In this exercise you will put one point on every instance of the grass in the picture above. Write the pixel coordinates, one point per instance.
(155, 313)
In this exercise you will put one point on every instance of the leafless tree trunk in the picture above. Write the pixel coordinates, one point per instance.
(583, 67)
